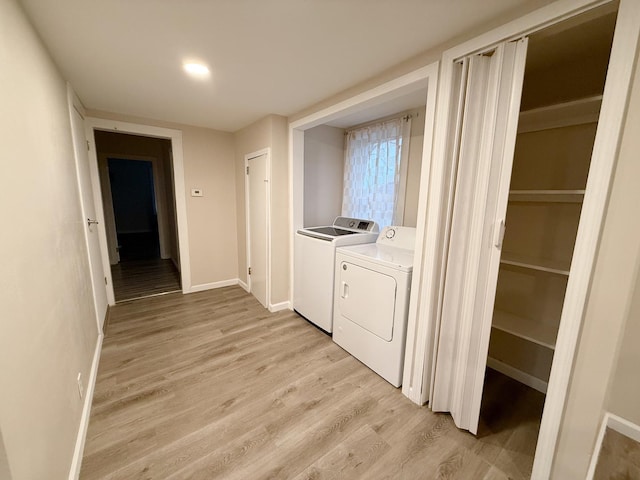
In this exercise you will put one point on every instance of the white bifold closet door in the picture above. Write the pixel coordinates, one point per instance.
(490, 87)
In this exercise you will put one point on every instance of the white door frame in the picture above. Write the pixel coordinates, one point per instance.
(175, 136)
(159, 197)
(418, 348)
(611, 119)
(263, 151)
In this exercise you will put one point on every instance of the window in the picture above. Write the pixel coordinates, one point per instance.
(375, 172)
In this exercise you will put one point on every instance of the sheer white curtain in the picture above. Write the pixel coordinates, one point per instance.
(375, 172)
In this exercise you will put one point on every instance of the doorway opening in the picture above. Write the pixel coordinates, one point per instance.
(138, 198)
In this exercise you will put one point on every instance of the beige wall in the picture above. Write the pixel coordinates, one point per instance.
(280, 222)
(208, 165)
(624, 395)
(271, 131)
(610, 302)
(5, 471)
(414, 167)
(323, 174)
(48, 330)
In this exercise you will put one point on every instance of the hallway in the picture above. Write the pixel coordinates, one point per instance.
(143, 278)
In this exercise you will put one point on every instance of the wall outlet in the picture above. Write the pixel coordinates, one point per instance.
(80, 385)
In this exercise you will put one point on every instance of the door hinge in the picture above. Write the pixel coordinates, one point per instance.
(247, 170)
(88, 147)
(105, 280)
(249, 270)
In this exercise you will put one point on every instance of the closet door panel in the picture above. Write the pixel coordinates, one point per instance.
(482, 188)
(469, 140)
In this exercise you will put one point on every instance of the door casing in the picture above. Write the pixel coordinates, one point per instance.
(175, 136)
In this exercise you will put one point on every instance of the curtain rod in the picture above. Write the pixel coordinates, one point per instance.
(406, 118)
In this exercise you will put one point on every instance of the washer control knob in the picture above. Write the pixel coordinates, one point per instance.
(352, 224)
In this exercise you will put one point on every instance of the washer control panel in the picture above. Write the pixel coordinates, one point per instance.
(356, 224)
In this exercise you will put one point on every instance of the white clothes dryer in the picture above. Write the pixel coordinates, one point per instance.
(371, 300)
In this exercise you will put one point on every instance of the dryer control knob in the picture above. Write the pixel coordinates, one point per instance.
(391, 232)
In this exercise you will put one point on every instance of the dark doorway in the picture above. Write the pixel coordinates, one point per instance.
(137, 183)
(134, 208)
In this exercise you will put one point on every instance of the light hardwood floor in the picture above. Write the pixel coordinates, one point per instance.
(211, 385)
(142, 278)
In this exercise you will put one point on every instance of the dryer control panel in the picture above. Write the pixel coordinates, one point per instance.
(399, 237)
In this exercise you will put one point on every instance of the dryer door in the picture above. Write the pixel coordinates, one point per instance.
(367, 298)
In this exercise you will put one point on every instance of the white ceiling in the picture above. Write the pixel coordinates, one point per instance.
(266, 56)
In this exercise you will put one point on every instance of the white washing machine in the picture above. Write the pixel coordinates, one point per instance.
(371, 300)
(314, 254)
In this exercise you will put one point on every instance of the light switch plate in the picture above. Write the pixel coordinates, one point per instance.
(196, 192)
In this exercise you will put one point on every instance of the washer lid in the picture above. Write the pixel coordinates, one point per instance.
(392, 257)
(333, 231)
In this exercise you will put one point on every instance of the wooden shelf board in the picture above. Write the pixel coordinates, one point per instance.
(550, 196)
(536, 332)
(577, 112)
(522, 377)
(542, 265)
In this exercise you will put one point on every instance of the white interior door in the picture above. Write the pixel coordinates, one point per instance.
(89, 215)
(485, 156)
(258, 223)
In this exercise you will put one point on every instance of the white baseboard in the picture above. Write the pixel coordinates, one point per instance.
(280, 306)
(210, 286)
(244, 286)
(623, 426)
(620, 425)
(76, 462)
(518, 375)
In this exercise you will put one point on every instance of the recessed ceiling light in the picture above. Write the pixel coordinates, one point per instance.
(196, 69)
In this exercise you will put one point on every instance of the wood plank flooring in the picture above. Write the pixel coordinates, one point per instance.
(143, 278)
(211, 385)
(619, 457)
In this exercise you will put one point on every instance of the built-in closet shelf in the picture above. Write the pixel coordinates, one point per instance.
(540, 264)
(577, 112)
(536, 332)
(519, 375)
(547, 196)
